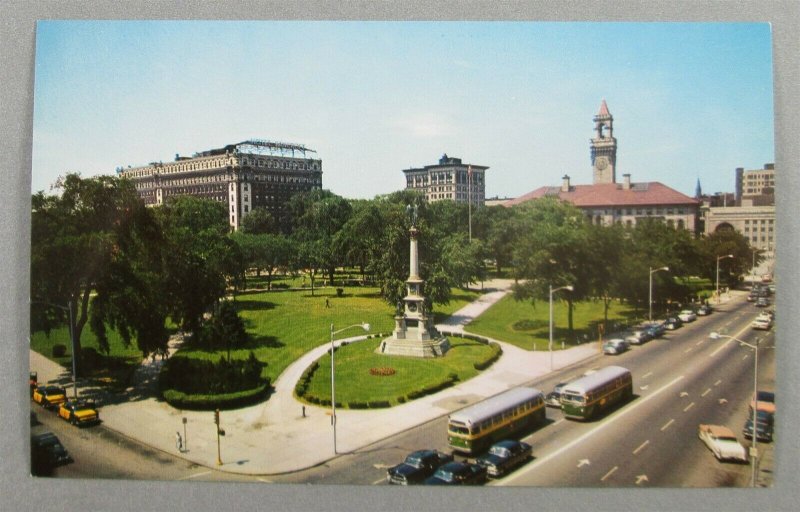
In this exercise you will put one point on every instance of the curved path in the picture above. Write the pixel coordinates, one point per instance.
(274, 437)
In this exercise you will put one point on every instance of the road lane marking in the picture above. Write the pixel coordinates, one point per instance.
(195, 475)
(641, 478)
(609, 473)
(745, 357)
(641, 446)
(647, 375)
(583, 462)
(706, 392)
(665, 427)
(717, 383)
(688, 407)
(376, 482)
(264, 480)
(586, 435)
(688, 350)
(699, 342)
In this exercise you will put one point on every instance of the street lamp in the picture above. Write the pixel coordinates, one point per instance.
(550, 344)
(650, 296)
(364, 326)
(67, 308)
(720, 258)
(754, 447)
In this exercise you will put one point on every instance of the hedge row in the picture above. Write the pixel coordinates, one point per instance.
(497, 351)
(451, 379)
(302, 385)
(236, 400)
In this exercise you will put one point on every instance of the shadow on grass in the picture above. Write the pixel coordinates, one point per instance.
(263, 341)
(254, 305)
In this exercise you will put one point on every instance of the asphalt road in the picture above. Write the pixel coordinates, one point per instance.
(679, 381)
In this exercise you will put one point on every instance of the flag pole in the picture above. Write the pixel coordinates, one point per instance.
(469, 200)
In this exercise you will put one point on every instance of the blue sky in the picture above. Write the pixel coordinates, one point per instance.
(689, 100)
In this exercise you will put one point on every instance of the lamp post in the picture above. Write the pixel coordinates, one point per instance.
(754, 447)
(364, 326)
(650, 295)
(67, 308)
(720, 258)
(550, 344)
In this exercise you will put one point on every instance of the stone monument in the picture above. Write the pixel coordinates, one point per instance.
(414, 333)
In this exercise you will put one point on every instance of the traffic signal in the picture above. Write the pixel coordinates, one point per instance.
(216, 416)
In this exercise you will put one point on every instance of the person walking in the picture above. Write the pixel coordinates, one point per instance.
(179, 442)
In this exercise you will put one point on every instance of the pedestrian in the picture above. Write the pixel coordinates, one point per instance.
(327, 303)
(179, 442)
(153, 357)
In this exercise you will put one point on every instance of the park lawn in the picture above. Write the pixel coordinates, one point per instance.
(115, 368)
(526, 325)
(355, 383)
(284, 325)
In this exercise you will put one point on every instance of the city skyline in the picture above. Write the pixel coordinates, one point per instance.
(689, 100)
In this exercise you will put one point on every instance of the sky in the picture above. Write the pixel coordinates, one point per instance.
(689, 100)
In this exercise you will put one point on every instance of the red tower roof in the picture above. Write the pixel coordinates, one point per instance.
(603, 109)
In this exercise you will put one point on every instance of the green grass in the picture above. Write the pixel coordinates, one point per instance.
(354, 382)
(527, 326)
(114, 369)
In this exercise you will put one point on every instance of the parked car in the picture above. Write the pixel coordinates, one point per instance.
(722, 442)
(458, 473)
(79, 412)
(673, 323)
(656, 329)
(417, 466)
(639, 336)
(615, 346)
(762, 302)
(553, 398)
(704, 310)
(761, 323)
(687, 315)
(751, 297)
(765, 424)
(764, 401)
(47, 453)
(48, 396)
(504, 456)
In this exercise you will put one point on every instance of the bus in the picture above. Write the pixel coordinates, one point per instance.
(592, 394)
(475, 428)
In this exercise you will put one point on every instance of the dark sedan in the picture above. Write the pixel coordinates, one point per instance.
(764, 426)
(418, 466)
(504, 456)
(673, 323)
(458, 473)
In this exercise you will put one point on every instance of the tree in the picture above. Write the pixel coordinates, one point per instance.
(554, 251)
(359, 241)
(258, 222)
(226, 328)
(722, 243)
(462, 260)
(199, 257)
(75, 237)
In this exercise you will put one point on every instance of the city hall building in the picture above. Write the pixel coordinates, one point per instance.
(607, 202)
(246, 175)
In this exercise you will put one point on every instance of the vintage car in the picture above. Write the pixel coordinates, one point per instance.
(722, 442)
(49, 396)
(615, 346)
(765, 425)
(458, 473)
(418, 466)
(47, 453)
(764, 401)
(687, 315)
(79, 412)
(504, 456)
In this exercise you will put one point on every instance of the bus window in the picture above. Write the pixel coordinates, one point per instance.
(458, 429)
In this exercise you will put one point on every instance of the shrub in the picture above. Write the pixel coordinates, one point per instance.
(206, 402)
(59, 350)
(379, 404)
(357, 405)
(202, 377)
(497, 351)
(339, 292)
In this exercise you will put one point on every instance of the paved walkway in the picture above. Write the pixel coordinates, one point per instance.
(274, 437)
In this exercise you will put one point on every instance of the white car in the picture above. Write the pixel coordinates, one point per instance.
(615, 346)
(687, 315)
(722, 442)
(762, 322)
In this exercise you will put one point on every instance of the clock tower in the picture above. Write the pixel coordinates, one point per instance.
(604, 147)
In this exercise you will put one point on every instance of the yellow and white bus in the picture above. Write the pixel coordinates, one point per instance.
(590, 395)
(473, 429)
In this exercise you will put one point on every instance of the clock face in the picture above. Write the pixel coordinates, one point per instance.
(601, 162)
(412, 307)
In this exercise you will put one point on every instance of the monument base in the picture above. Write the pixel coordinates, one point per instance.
(435, 347)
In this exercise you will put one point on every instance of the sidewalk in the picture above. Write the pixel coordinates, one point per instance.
(274, 437)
